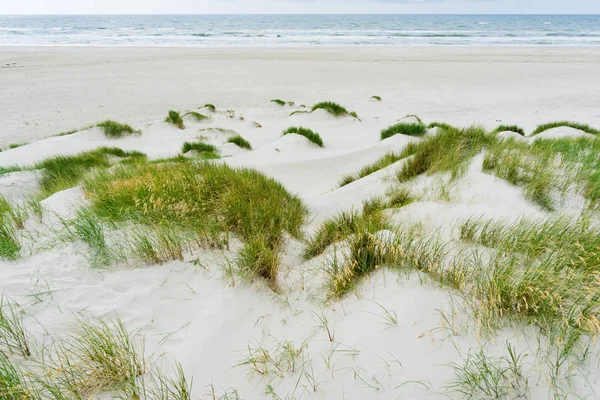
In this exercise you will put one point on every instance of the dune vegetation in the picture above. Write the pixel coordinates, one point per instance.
(403, 128)
(507, 257)
(206, 200)
(307, 133)
(201, 148)
(115, 130)
(510, 128)
(197, 116)
(333, 109)
(174, 118)
(575, 125)
(240, 141)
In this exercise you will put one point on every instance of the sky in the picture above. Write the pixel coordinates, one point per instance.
(299, 6)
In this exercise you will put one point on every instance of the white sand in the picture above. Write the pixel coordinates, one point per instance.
(193, 314)
(59, 89)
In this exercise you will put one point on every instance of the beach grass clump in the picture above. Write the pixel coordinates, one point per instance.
(115, 130)
(98, 356)
(575, 125)
(197, 116)
(378, 98)
(13, 336)
(240, 141)
(200, 147)
(16, 145)
(484, 376)
(449, 151)
(14, 384)
(333, 109)
(174, 118)
(522, 165)
(542, 273)
(385, 161)
(206, 199)
(307, 133)
(403, 129)
(10, 247)
(510, 128)
(64, 172)
(549, 169)
(442, 125)
(400, 197)
(345, 224)
(210, 107)
(279, 101)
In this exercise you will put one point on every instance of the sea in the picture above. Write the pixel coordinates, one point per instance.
(300, 30)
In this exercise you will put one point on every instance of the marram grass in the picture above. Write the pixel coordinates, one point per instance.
(510, 128)
(240, 141)
(385, 161)
(575, 125)
(197, 116)
(307, 133)
(115, 130)
(199, 147)
(402, 128)
(204, 197)
(333, 109)
(174, 118)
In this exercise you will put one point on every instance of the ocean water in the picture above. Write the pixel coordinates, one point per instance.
(301, 30)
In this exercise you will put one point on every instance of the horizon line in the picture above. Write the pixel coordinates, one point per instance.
(269, 14)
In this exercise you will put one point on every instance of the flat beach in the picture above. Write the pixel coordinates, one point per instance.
(48, 90)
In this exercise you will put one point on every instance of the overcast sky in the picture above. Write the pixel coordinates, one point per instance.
(298, 6)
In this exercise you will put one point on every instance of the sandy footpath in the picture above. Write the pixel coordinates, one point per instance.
(49, 90)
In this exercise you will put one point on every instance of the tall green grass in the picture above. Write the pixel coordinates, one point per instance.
(199, 147)
(403, 129)
(63, 172)
(385, 161)
(204, 198)
(449, 151)
(583, 127)
(510, 128)
(345, 224)
(333, 109)
(240, 141)
(548, 169)
(174, 118)
(13, 336)
(115, 130)
(210, 107)
(14, 384)
(197, 116)
(307, 133)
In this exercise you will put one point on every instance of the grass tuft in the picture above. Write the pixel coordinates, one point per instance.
(385, 161)
(240, 141)
(441, 125)
(403, 129)
(14, 385)
(115, 130)
(448, 151)
(200, 147)
(175, 119)
(510, 128)
(278, 101)
(210, 107)
(307, 133)
(333, 109)
(13, 336)
(345, 224)
(583, 127)
(64, 172)
(197, 116)
(378, 98)
(203, 198)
